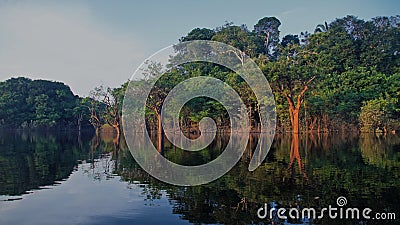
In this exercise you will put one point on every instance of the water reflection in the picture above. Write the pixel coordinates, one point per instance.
(300, 171)
(29, 160)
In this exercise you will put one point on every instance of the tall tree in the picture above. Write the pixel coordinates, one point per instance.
(242, 39)
(111, 99)
(268, 28)
(291, 76)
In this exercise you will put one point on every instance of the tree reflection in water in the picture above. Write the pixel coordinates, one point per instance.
(328, 166)
(300, 171)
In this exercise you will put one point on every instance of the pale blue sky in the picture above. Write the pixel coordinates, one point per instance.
(88, 43)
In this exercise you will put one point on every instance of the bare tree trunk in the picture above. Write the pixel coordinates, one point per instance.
(312, 124)
(250, 149)
(294, 110)
(97, 131)
(117, 129)
(160, 134)
(251, 118)
(79, 120)
(260, 118)
(319, 126)
(325, 121)
(79, 130)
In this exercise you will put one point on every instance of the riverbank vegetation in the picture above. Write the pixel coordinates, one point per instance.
(345, 76)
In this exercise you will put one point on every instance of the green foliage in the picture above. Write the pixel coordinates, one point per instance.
(242, 39)
(361, 61)
(378, 115)
(36, 103)
(290, 39)
(199, 34)
(268, 28)
(330, 73)
(346, 74)
(45, 115)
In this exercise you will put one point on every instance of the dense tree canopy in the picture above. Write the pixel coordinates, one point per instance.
(343, 76)
(337, 72)
(36, 103)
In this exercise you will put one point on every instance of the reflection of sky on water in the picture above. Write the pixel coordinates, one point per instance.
(84, 200)
(364, 169)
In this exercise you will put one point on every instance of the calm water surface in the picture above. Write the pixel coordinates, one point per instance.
(63, 178)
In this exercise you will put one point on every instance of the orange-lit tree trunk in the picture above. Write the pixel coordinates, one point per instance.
(294, 70)
(294, 108)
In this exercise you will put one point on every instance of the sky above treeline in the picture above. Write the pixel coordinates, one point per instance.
(90, 43)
